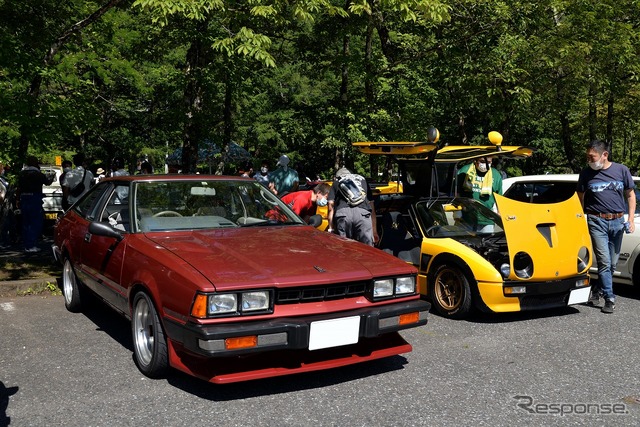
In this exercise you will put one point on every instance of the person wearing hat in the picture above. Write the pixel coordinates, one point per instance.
(100, 173)
(284, 179)
(354, 221)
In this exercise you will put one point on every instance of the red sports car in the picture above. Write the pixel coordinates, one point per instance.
(222, 281)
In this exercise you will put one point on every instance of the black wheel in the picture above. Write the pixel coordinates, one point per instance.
(635, 279)
(71, 288)
(450, 291)
(149, 342)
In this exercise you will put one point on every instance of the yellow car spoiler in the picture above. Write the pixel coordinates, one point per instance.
(458, 153)
(397, 148)
(446, 154)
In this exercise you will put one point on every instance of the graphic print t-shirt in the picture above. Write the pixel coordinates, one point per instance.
(604, 189)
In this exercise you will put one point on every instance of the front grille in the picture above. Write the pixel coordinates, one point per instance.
(538, 302)
(320, 293)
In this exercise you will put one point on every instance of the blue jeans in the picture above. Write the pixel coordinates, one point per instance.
(606, 237)
(32, 219)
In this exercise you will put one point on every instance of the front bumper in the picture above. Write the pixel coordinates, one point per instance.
(537, 296)
(290, 333)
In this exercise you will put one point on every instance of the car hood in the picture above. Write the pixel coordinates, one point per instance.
(552, 234)
(277, 256)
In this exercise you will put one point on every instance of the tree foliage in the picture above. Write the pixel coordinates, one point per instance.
(307, 78)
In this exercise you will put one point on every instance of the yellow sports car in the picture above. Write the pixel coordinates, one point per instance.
(524, 257)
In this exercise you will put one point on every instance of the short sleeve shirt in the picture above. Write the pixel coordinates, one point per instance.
(604, 189)
(300, 202)
(283, 179)
(73, 178)
(340, 202)
(31, 180)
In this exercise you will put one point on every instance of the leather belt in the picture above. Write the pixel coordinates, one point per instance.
(607, 216)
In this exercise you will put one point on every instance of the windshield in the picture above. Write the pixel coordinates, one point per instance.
(457, 217)
(213, 204)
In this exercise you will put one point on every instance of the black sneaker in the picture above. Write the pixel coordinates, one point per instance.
(608, 307)
(594, 299)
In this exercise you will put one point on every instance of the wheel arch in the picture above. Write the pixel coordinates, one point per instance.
(444, 258)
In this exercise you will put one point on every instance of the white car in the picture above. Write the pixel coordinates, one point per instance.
(555, 188)
(52, 194)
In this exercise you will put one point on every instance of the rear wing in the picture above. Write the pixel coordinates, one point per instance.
(428, 170)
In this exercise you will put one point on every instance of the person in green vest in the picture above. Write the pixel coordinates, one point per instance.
(480, 181)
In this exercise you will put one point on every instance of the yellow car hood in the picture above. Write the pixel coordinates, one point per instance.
(552, 234)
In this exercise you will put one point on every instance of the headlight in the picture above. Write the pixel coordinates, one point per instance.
(232, 304)
(523, 265)
(583, 259)
(405, 285)
(223, 303)
(505, 270)
(394, 287)
(252, 301)
(383, 288)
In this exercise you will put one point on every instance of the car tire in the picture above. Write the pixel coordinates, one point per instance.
(71, 288)
(450, 291)
(149, 341)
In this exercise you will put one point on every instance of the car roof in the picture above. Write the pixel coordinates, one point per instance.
(557, 177)
(553, 177)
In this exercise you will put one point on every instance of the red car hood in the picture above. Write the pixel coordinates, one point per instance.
(282, 256)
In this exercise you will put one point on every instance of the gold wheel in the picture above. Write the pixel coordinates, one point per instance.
(450, 291)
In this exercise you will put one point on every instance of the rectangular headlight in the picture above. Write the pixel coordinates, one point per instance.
(383, 288)
(222, 303)
(253, 301)
(405, 285)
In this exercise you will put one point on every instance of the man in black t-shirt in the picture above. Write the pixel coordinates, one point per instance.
(602, 189)
(30, 182)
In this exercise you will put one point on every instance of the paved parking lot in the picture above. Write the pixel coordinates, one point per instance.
(575, 366)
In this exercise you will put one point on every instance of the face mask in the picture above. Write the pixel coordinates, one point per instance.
(264, 170)
(596, 166)
(322, 202)
(482, 167)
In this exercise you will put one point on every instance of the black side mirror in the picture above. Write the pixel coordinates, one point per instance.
(315, 221)
(103, 229)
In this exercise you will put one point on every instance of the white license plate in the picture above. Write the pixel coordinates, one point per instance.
(334, 332)
(578, 296)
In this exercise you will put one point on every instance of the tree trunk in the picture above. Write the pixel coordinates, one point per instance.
(369, 87)
(344, 97)
(228, 123)
(193, 100)
(593, 115)
(610, 113)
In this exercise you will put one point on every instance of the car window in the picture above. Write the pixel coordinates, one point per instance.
(457, 217)
(186, 205)
(541, 192)
(88, 205)
(116, 210)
